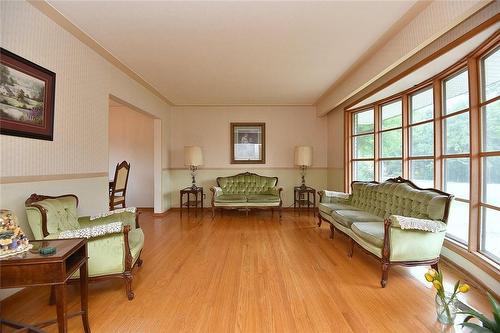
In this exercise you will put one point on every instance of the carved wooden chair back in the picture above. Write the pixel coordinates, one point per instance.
(118, 189)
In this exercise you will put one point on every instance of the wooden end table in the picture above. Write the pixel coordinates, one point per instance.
(198, 198)
(30, 269)
(302, 198)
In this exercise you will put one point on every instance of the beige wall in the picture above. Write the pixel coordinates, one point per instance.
(84, 82)
(131, 138)
(335, 146)
(286, 127)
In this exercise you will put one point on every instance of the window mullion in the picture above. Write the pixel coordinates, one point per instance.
(475, 161)
(376, 140)
(438, 130)
(406, 147)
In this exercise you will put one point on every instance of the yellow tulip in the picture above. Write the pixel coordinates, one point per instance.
(429, 277)
(437, 285)
(432, 272)
(463, 288)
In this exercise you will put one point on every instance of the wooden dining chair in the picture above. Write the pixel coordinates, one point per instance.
(118, 187)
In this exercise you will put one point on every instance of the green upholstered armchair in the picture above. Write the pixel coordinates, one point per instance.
(112, 255)
(246, 190)
(396, 221)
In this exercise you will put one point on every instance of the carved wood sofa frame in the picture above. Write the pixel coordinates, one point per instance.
(246, 207)
(129, 267)
(385, 261)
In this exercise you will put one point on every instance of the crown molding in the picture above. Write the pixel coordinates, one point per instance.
(56, 16)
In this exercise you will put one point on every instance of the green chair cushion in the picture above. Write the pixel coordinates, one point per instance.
(327, 208)
(348, 217)
(61, 214)
(231, 198)
(372, 232)
(263, 198)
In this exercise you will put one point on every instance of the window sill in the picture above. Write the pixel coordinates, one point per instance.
(484, 263)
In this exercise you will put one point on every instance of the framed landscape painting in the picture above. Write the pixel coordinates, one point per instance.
(27, 94)
(248, 143)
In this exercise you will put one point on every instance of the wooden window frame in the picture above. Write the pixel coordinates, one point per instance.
(472, 251)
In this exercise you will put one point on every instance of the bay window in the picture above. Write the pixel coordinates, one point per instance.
(444, 134)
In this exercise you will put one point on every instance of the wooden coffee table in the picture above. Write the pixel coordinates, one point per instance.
(32, 269)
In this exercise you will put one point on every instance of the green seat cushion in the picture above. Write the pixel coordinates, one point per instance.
(327, 208)
(263, 198)
(61, 214)
(348, 217)
(231, 198)
(371, 232)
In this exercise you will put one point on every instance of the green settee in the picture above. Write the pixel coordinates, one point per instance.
(246, 191)
(111, 255)
(396, 221)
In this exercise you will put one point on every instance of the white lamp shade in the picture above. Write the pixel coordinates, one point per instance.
(303, 155)
(193, 156)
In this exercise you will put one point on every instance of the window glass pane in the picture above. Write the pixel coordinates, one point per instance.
(422, 173)
(491, 75)
(363, 122)
(390, 169)
(458, 221)
(391, 143)
(362, 170)
(422, 106)
(363, 146)
(456, 177)
(392, 115)
(490, 233)
(456, 93)
(422, 140)
(491, 180)
(456, 130)
(491, 127)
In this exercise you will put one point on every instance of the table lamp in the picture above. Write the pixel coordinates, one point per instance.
(303, 159)
(193, 158)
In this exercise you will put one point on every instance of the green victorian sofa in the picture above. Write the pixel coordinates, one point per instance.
(245, 191)
(113, 252)
(396, 221)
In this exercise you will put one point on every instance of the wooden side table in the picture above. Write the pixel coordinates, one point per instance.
(198, 199)
(32, 269)
(302, 198)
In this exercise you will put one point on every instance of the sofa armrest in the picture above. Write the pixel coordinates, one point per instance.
(413, 223)
(406, 245)
(326, 196)
(216, 191)
(276, 191)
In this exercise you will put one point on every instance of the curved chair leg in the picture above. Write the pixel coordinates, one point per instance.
(319, 220)
(385, 274)
(351, 248)
(435, 267)
(332, 231)
(128, 285)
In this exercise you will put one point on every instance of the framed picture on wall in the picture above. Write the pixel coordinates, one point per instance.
(248, 143)
(27, 94)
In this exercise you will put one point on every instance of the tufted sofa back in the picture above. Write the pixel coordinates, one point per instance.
(247, 184)
(51, 215)
(400, 198)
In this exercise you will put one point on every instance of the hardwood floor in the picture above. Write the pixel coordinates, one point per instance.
(249, 274)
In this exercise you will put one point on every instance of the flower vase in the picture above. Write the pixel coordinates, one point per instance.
(446, 309)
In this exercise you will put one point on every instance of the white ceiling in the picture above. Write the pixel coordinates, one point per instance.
(432, 68)
(230, 53)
